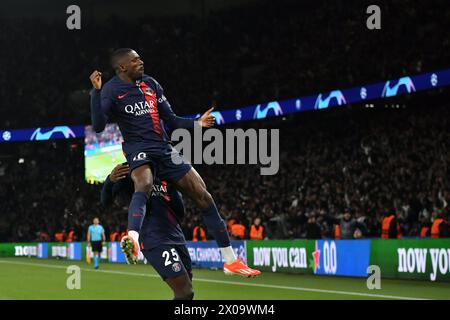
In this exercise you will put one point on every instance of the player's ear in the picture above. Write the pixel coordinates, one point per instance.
(122, 68)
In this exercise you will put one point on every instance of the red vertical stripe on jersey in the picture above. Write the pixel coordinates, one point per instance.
(166, 193)
(151, 100)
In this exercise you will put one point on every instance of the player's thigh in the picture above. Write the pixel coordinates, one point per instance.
(142, 178)
(192, 183)
(185, 258)
(166, 260)
(172, 166)
(181, 286)
(142, 165)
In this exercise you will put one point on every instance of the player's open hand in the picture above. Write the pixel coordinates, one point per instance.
(119, 172)
(207, 120)
(96, 79)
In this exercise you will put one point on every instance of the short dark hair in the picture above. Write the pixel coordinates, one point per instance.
(117, 55)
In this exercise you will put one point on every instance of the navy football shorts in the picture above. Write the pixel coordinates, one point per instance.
(167, 164)
(97, 246)
(169, 260)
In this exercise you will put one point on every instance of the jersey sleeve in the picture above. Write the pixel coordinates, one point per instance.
(101, 105)
(106, 196)
(166, 112)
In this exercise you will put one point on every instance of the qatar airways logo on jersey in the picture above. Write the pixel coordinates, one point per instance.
(140, 108)
(159, 190)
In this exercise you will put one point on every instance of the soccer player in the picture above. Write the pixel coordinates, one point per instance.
(95, 238)
(161, 237)
(137, 103)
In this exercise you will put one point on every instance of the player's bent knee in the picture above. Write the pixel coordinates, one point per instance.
(143, 187)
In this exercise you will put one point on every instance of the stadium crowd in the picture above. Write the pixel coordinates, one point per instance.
(380, 161)
(229, 58)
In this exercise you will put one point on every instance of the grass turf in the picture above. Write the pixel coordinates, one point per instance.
(31, 278)
(100, 165)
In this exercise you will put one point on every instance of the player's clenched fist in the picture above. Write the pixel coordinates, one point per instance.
(96, 79)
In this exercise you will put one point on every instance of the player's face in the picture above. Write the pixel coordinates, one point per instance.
(96, 221)
(134, 65)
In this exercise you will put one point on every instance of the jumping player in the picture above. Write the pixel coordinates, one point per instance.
(137, 103)
(161, 237)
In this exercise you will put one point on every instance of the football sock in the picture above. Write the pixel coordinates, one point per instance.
(134, 235)
(228, 254)
(216, 226)
(136, 211)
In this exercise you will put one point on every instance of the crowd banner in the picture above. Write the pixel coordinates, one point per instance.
(413, 258)
(342, 257)
(322, 100)
(115, 253)
(46, 250)
(206, 254)
(22, 249)
(420, 259)
(294, 256)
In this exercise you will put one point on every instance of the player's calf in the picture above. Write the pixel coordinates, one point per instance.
(184, 295)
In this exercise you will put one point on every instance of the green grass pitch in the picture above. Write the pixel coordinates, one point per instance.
(31, 278)
(100, 165)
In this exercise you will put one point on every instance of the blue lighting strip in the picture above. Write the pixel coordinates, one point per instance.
(387, 89)
(336, 98)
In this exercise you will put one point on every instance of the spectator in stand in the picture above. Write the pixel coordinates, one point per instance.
(440, 226)
(390, 226)
(257, 230)
(238, 230)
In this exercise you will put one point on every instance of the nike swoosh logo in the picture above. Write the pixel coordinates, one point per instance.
(122, 96)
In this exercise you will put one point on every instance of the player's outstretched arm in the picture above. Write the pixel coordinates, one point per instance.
(106, 196)
(98, 104)
(206, 120)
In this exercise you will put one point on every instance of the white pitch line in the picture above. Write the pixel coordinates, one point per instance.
(350, 293)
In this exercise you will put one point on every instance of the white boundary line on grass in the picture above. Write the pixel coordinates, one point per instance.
(350, 293)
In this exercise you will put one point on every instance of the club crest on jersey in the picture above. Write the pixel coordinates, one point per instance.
(159, 190)
(149, 92)
(176, 267)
